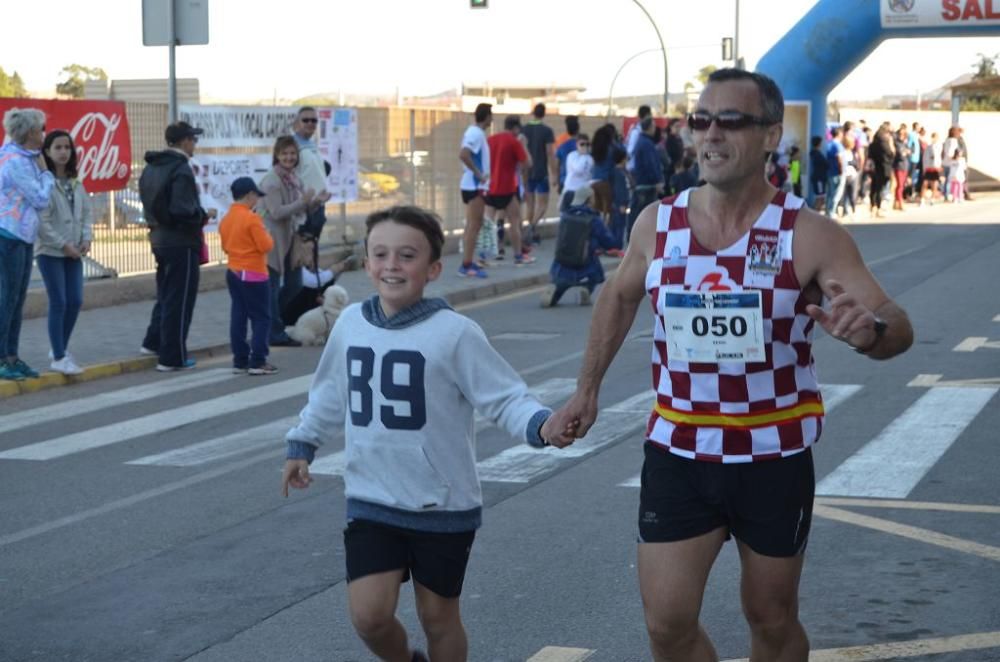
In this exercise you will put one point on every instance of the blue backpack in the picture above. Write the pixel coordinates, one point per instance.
(573, 242)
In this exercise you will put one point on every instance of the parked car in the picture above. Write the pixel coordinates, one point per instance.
(383, 183)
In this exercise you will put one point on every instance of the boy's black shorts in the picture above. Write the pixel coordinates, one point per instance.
(767, 504)
(436, 560)
(499, 201)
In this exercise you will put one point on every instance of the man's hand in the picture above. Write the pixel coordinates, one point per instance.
(84, 247)
(847, 320)
(70, 251)
(296, 474)
(574, 419)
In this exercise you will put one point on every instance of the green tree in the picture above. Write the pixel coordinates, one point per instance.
(76, 76)
(11, 86)
(705, 72)
(986, 67)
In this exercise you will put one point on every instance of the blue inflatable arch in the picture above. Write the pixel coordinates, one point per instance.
(836, 35)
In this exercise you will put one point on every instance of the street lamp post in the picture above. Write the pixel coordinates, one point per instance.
(611, 90)
(666, 100)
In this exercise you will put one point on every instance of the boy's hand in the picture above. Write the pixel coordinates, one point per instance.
(554, 436)
(296, 474)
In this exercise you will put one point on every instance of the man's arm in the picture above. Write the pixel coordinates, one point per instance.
(550, 150)
(832, 260)
(613, 315)
(465, 156)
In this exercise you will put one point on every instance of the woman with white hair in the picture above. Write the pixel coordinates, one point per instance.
(25, 190)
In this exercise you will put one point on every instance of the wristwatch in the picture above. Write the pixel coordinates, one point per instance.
(880, 329)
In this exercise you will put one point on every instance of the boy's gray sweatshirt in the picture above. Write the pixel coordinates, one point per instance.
(404, 390)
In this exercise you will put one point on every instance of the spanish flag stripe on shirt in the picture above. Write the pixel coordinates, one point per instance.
(756, 420)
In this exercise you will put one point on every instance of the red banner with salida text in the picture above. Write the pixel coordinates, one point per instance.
(100, 134)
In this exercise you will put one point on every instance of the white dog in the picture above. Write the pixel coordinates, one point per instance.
(313, 327)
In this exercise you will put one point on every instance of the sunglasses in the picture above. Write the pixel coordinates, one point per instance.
(583, 144)
(729, 120)
(308, 120)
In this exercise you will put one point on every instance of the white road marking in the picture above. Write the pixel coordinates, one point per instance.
(909, 505)
(160, 421)
(902, 649)
(892, 464)
(547, 393)
(927, 381)
(522, 463)
(833, 396)
(69, 408)
(971, 344)
(561, 654)
(238, 443)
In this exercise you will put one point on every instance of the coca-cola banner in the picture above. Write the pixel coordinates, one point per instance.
(100, 133)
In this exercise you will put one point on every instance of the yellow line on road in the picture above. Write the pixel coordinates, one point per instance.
(909, 505)
(903, 649)
(559, 654)
(906, 531)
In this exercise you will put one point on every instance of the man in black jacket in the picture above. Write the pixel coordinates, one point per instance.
(175, 218)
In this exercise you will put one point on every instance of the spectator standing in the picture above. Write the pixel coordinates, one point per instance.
(507, 156)
(620, 197)
(173, 212)
(25, 190)
(544, 169)
(965, 155)
(674, 145)
(957, 176)
(881, 152)
(64, 238)
(579, 170)
(247, 244)
(566, 145)
(916, 151)
(475, 157)
(686, 177)
(286, 206)
(795, 170)
(603, 148)
(311, 171)
(648, 173)
(933, 166)
(633, 136)
(817, 171)
(901, 166)
(835, 160)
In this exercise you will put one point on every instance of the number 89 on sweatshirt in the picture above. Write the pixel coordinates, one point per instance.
(714, 327)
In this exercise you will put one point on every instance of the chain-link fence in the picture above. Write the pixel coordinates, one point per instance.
(406, 156)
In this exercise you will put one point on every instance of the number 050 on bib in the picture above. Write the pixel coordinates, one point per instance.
(714, 327)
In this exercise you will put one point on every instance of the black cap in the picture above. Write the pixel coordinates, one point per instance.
(179, 131)
(243, 185)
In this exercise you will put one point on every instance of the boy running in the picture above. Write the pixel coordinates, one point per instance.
(413, 496)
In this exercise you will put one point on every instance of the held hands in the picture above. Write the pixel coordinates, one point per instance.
(296, 474)
(847, 320)
(571, 422)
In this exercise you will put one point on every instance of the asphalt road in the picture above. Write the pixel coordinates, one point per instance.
(140, 516)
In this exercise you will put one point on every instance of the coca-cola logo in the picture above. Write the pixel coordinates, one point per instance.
(96, 148)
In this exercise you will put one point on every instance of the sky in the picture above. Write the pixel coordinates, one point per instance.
(264, 49)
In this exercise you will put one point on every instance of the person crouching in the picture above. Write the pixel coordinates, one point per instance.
(581, 233)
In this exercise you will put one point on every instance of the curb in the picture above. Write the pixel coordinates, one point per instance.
(49, 380)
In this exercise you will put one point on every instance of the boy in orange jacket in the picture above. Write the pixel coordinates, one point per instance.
(247, 243)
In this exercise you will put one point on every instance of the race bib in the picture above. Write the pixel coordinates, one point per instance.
(714, 327)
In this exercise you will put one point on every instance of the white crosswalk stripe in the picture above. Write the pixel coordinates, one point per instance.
(159, 422)
(69, 408)
(547, 392)
(891, 464)
(834, 395)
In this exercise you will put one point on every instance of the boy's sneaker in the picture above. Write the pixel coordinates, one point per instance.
(547, 294)
(523, 258)
(8, 372)
(239, 370)
(66, 365)
(501, 253)
(583, 297)
(145, 351)
(266, 369)
(472, 270)
(190, 363)
(23, 368)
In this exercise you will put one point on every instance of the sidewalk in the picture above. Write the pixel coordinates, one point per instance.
(106, 341)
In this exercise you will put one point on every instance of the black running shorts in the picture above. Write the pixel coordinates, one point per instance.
(469, 196)
(766, 504)
(436, 560)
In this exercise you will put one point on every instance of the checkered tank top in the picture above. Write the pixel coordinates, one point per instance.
(730, 411)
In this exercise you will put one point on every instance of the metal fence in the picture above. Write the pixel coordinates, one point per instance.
(405, 156)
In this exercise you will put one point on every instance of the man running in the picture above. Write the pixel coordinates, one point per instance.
(544, 169)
